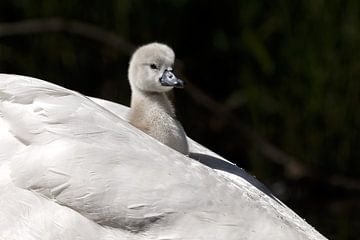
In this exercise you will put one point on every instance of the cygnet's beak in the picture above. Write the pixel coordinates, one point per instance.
(169, 79)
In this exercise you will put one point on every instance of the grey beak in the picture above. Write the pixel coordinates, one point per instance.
(169, 79)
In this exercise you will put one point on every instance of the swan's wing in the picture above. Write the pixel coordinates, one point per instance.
(87, 158)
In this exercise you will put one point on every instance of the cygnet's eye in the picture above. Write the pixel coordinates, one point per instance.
(153, 66)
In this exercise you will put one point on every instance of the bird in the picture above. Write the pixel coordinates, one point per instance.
(151, 76)
(76, 167)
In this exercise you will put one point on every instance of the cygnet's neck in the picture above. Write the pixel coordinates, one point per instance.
(150, 100)
(154, 114)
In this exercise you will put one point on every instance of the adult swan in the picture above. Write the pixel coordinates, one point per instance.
(72, 167)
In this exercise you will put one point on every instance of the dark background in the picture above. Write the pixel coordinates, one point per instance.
(272, 85)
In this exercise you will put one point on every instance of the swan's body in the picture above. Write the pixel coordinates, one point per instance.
(72, 168)
(150, 77)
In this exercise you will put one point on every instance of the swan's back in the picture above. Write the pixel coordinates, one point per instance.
(74, 158)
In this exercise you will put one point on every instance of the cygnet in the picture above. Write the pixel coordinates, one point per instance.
(151, 77)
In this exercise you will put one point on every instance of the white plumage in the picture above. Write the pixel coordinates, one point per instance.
(71, 167)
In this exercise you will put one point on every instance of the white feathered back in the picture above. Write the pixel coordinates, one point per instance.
(79, 171)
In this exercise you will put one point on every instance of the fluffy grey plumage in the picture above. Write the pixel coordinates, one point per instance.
(151, 110)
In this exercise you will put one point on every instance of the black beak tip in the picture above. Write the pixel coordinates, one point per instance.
(179, 83)
(169, 79)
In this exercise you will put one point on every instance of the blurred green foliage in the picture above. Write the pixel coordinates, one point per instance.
(288, 69)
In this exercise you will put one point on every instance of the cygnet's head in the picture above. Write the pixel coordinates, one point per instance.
(150, 69)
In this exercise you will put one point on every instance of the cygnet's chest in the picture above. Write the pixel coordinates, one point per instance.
(154, 115)
(166, 129)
